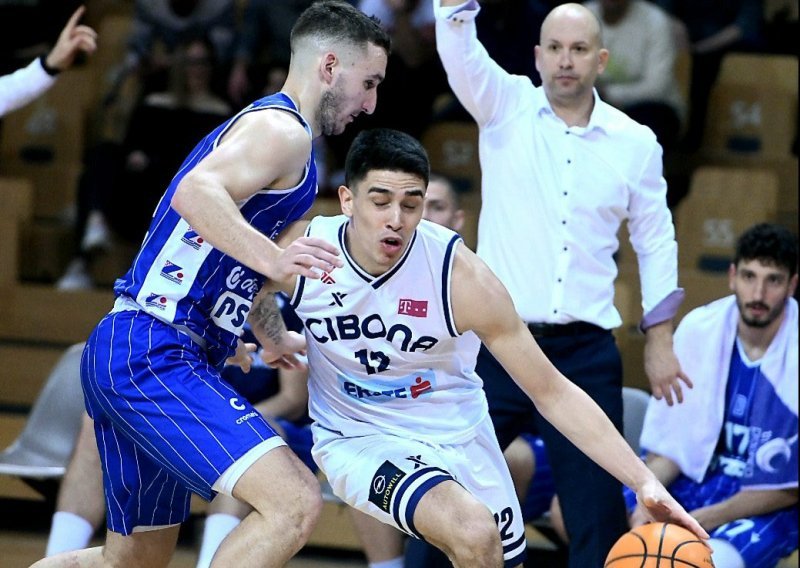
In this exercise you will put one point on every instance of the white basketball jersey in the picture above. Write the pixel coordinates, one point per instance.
(383, 351)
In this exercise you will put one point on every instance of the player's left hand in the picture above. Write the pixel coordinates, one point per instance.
(242, 357)
(658, 505)
(664, 371)
(284, 355)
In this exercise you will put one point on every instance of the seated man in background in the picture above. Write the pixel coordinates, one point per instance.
(728, 454)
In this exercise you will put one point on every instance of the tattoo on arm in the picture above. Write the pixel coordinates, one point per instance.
(266, 315)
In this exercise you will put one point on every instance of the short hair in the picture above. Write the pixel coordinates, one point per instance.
(452, 192)
(385, 149)
(769, 243)
(339, 21)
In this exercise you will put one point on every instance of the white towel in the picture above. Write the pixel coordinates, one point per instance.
(687, 433)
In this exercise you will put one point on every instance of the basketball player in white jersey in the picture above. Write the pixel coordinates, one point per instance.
(165, 421)
(401, 429)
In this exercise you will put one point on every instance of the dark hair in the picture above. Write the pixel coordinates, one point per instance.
(452, 192)
(340, 21)
(385, 149)
(769, 243)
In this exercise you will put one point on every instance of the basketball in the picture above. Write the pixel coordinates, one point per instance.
(659, 545)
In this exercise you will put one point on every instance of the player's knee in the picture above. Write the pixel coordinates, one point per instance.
(476, 540)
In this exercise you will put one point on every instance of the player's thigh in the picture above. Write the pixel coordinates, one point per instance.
(168, 400)
(389, 477)
(278, 481)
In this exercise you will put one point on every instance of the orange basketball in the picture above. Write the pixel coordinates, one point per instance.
(659, 545)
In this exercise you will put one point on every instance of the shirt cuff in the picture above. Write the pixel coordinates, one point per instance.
(468, 8)
(663, 311)
(52, 71)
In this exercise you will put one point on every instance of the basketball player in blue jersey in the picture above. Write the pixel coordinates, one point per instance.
(729, 452)
(165, 422)
(401, 425)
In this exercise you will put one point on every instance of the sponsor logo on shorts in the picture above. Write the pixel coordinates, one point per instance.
(384, 484)
(246, 417)
(155, 301)
(172, 272)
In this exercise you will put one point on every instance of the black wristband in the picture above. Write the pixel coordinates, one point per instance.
(52, 71)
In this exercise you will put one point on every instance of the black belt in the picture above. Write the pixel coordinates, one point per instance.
(562, 329)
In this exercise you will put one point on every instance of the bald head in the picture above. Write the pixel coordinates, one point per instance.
(576, 18)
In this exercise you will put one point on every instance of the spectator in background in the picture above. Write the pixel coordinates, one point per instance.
(163, 128)
(262, 49)
(640, 76)
(161, 26)
(19, 88)
(713, 28)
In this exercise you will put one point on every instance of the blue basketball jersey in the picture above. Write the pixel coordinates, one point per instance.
(179, 278)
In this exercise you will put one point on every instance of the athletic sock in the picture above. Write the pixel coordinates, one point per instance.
(217, 527)
(68, 532)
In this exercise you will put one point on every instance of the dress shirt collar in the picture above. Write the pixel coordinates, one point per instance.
(600, 118)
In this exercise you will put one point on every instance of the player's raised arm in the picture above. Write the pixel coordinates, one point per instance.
(482, 304)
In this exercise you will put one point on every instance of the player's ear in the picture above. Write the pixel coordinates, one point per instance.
(326, 67)
(346, 198)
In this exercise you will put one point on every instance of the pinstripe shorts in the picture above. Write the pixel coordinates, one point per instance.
(166, 423)
(385, 476)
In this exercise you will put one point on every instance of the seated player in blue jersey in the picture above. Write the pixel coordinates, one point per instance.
(401, 426)
(729, 452)
(166, 423)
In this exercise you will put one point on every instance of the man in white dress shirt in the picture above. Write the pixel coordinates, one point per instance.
(561, 171)
(22, 86)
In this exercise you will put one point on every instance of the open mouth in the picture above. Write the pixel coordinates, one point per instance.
(391, 244)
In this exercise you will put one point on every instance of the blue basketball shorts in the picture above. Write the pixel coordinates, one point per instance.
(166, 423)
(761, 540)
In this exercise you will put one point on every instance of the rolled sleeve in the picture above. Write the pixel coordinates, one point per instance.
(653, 235)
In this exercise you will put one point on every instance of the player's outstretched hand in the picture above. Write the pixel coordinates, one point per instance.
(242, 357)
(306, 256)
(73, 38)
(654, 503)
(284, 355)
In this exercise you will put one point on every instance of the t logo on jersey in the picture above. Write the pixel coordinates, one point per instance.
(413, 308)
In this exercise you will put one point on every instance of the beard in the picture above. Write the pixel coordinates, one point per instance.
(329, 107)
(763, 321)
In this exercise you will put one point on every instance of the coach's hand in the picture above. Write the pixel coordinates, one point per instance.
(662, 366)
